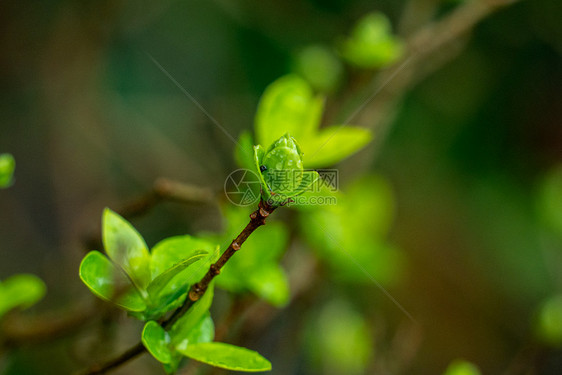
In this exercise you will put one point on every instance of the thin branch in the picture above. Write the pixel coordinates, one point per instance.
(131, 353)
(166, 189)
(257, 219)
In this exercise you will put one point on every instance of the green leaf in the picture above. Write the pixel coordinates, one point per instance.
(172, 367)
(371, 44)
(227, 356)
(270, 283)
(334, 143)
(461, 367)
(203, 331)
(287, 106)
(181, 330)
(126, 247)
(7, 167)
(320, 67)
(548, 324)
(157, 341)
(171, 251)
(339, 338)
(23, 291)
(162, 285)
(109, 282)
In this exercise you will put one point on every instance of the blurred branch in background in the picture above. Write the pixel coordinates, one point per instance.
(163, 190)
(427, 50)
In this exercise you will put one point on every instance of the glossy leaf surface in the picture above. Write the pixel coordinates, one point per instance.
(109, 282)
(162, 285)
(182, 329)
(288, 105)
(333, 144)
(171, 251)
(227, 356)
(126, 247)
(157, 341)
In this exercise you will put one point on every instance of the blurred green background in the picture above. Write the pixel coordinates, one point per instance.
(472, 159)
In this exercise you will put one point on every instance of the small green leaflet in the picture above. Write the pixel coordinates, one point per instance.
(159, 342)
(288, 105)
(181, 330)
(371, 44)
(20, 291)
(7, 167)
(110, 283)
(126, 247)
(159, 284)
(227, 356)
(156, 340)
(173, 250)
(147, 285)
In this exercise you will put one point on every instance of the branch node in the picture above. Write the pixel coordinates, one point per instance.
(216, 269)
(193, 294)
(263, 212)
(235, 246)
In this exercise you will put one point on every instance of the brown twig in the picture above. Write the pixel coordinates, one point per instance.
(166, 189)
(118, 361)
(257, 219)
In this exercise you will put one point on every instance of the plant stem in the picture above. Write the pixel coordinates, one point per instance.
(165, 189)
(118, 361)
(257, 219)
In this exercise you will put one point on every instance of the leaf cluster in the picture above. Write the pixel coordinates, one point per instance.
(150, 284)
